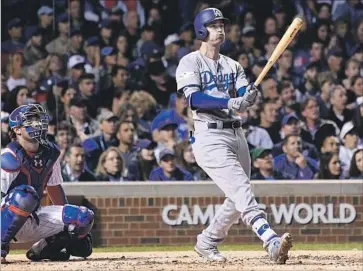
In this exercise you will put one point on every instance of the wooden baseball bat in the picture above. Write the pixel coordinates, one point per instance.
(280, 48)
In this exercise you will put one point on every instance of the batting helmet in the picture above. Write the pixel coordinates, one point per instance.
(205, 17)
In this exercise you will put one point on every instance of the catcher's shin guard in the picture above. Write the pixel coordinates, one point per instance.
(18, 205)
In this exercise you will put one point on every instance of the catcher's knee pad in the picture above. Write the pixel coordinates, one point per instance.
(80, 217)
(18, 205)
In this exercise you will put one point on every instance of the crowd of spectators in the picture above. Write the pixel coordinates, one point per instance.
(105, 72)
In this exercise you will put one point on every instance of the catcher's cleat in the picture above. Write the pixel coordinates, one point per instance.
(278, 248)
(3, 260)
(60, 256)
(211, 254)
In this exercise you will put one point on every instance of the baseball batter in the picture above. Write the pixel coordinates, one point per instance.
(28, 165)
(215, 87)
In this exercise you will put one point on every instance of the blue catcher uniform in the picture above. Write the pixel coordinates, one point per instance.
(24, 177)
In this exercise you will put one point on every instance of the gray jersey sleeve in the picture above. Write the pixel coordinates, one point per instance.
(188, 76)
(241, 80)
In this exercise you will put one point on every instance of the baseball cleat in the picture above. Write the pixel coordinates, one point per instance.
(211, 254)
(279, 247)
(60, 256)
(3, 260)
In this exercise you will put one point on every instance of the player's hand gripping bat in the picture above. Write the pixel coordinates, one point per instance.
(280, 48)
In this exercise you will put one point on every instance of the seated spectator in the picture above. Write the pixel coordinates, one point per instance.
(65, 135)
(312, 121)
(14, 44)
(330, 167)
(186, 160)
(95, 146)
(358, 119)
(87, 90)
(179, 115)
(356, 165)
(326, 139)
(326, 83)
(60, 45)
(126, 135)
(268, 120)
(84, 125)
(310, 84)
(146, 158)
(257, 136)
(288, 97)
(356, 89)
(74, 170)
(111, 166)
(60, 106)
(120, 98)
(290, 125)
(263, 162)
(18, 96)
(168, 170)
(351, 70)
(339, 114)
(269, 88)
(15, 71)
(108, 55)
(167, 136)
(45, 24)
(350, 140)
(5, 136)
(292, 164)
(34, 50)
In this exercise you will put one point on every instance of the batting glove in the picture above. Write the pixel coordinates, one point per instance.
(240, 104)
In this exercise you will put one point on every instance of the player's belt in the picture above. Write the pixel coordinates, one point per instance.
(225, 125)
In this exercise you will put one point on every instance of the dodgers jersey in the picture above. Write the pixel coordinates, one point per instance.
(218, 78)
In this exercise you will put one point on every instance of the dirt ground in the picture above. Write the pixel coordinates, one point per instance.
(165, 261)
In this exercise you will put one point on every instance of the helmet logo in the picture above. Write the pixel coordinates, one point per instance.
(217, 13)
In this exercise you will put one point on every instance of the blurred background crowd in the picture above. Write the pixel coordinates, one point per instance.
(105, 72)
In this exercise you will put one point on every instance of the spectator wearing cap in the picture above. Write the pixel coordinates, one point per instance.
(293, 164)
(349, 138)
(45, 20)
(146, 158)
(268, 120)
(290, 125)
(249, 43)
(34, 49)
(119, 79)
(108, 55)
(121, 45)
(311, 117)
(186, 160)
(168, 170)
(84, 125)
(326, 140)
(15, 70)
(60, 45)
(87, 90)
(73, 170)
(14, 44)
(76, 43)
(111, 166)
(172, 44)
(76, 65)
(93, 55)
(338, 112)
(96, 145)
(126, 135)
(263, 162)
(166, 135)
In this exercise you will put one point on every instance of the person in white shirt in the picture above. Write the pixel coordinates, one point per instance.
(350, 140)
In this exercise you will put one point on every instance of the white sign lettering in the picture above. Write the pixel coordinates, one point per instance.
(301, 213)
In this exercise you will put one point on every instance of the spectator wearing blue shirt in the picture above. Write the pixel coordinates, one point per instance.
(168, 170)
(166, 136)
(263, 162)
(95, 146)
(14, 44)
(292, 163)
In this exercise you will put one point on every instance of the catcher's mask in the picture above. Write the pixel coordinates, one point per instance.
(33, 118)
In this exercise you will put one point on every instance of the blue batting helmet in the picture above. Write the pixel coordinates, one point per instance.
(204, 17)
(33, 118)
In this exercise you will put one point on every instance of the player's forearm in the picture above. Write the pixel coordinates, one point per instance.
(200, 100)
(57, 195)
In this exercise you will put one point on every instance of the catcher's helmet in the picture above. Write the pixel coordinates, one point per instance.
(205, 17)
(33, 118)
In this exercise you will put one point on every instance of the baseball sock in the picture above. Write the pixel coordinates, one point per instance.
(262, 229)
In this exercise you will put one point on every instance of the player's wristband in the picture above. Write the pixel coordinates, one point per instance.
(200, 100)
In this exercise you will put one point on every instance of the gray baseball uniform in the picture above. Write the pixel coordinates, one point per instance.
(222, 153)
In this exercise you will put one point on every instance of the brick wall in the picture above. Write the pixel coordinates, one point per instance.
(136, 221)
